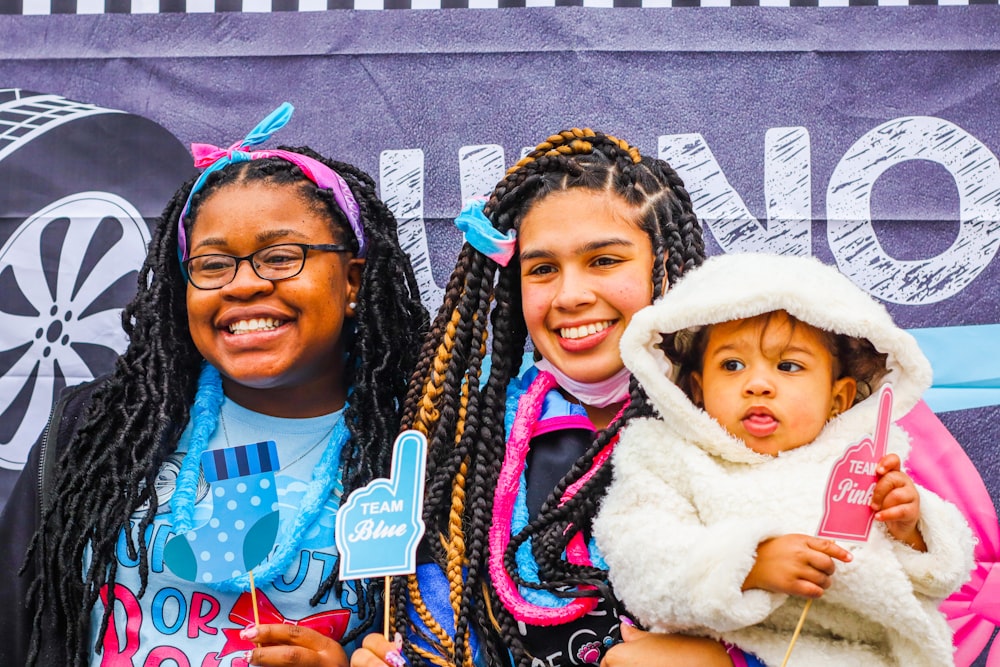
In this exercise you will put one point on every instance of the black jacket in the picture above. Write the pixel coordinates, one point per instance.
(18, 523)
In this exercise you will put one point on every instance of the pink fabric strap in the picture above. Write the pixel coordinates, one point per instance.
(528, 411)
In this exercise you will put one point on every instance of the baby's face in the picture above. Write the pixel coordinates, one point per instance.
(769, 381)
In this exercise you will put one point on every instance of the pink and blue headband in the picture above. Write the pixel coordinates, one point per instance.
(213, 158)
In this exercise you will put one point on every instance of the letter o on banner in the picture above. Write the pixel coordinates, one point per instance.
(77, 185)
(851, 235)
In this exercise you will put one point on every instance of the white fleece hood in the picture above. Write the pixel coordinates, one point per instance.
(738, 286)
(689, 504)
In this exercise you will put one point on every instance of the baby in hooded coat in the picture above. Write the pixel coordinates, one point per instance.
(762, 370)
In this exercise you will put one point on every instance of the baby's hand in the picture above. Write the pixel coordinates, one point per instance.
(800, 565)
(896, 502)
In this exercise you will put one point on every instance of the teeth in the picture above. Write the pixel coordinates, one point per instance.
(256, 324)
(585, 330)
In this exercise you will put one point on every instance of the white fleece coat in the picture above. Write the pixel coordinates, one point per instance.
(689, 503)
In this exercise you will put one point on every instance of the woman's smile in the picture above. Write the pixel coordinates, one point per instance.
(585, 330)
(577, 339)
(254, 325)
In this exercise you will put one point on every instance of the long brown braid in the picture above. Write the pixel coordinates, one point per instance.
(463, 417)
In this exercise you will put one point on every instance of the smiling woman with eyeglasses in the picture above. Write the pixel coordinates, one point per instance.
(246, 405)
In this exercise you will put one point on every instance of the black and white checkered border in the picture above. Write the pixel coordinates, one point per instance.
(43, 7)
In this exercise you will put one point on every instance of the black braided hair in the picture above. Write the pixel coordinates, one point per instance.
(464, 419)
(134, 420)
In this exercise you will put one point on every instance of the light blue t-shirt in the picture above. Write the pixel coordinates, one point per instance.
(246, 496)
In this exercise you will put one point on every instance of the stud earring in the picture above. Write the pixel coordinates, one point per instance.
(352, 305)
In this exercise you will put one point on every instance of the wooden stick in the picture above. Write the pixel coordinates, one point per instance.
(385, 603)
(253, 598)
(798, 629)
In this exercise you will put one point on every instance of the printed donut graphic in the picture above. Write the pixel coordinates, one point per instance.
(77, 185)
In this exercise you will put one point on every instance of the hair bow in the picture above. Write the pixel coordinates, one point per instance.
(332, 623)
(212, 158)
(483, 236)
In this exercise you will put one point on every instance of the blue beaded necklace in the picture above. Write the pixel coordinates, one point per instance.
(326, 481)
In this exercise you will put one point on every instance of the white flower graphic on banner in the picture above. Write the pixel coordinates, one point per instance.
(63, 274)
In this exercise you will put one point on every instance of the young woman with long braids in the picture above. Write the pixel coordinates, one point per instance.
(578, 236)
(250, 400)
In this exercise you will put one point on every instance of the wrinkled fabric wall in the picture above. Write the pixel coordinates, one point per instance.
(866, 136)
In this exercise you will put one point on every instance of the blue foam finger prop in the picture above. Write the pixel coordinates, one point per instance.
(380, 525)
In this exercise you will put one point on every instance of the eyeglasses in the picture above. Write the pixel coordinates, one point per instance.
(275, 262)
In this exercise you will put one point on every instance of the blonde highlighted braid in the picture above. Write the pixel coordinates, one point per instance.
(571, 142)
(464, 418)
